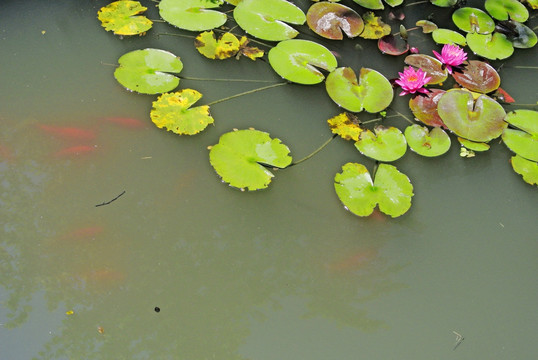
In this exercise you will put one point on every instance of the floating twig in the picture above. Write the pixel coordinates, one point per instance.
(459, 339)
(108, 202)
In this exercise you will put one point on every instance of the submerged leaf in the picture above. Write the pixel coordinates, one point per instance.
(147, 71)
(239, 156)
(192, 15)
(478, 76)
(346, 125)
(391, 189)
(119, 17)
(519, 35)
(387, 144)
(374, 27)
(207, 44)
(427, 143)
(173, 112)
(526, 168)
(329, 20)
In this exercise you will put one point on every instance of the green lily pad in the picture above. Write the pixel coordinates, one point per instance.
(266, 19)
(491, 46)
(479, 121)
(521, 36)
(391, 190)
(372, 92)
(239, 155)
(478, 76)
(424, 107)
(474, 146)
(526, 120)
(428, 64)
(330, 19)
(427, 143)
(377, 4)
(526, 168)
(446, 36)
(296, 60)
(173, 112)
(387, 144)
(427, 26)
(147, 71)
(505, 9)
(444, 3)
(473, 20)
(192, 15)
(522, 143)
(121, 18)
(374, 27)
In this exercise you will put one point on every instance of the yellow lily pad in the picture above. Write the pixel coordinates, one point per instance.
(208, 45)
(120, 18)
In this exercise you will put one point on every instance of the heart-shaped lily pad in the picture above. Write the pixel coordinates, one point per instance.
(526, 120)
(393, 45)
(147, 71)
(427, 143)
(391, 189)
(427, 26)
(491, 46)
(387, 144)
(522, 143)
(239, 155)
(173, 112)
(424, 107)
(372, 92)
(208, 45)
(478, 76)
(296, 60)
(122, 18)
(479, 121)
(472, 145)
(330, 19)
(430, 65)
(526, 168)
(267, 19)
(473, 20)
(504, 9)
(192, 15)
(446, 36)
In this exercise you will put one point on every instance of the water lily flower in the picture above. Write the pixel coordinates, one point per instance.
(412, 81)
(451, 55)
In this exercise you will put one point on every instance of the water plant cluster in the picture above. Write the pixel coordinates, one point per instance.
(473, 110)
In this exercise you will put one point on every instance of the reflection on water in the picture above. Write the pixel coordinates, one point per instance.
(282, 273)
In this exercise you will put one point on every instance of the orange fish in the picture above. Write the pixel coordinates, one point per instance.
(85, 233)
(353, 262)
(75, 150)
(6, 153)
(70, 133)
(126, 122)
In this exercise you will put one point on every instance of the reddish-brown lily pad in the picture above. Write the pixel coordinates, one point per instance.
(424, 107)
(430, 65)
(478, 76)
(393, 45)
(330, 20)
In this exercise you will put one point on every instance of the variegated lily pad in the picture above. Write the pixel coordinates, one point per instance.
(427, 143)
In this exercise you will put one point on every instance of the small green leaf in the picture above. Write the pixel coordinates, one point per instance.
(427, 143)
(120, 18)
(239, 155)
(474, 146)
(473, 20)
(526, 168)
(505, 9)
(296, 60)
(446, 36)
(192, 15)
(173, 112)
(391, 189)
(444, 3)
(147, 71)
(387, 144)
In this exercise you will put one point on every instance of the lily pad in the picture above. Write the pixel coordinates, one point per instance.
(427, 26)
(526, 120)
(478, 76)
(444, 3)
(147, 71)
(446, 36)
(427, 143)
(239, 155)
(430, 65)
(296, 60)
(472, 145)
(173, 112)
(346, 125)
(479, 121)
(505, 9)
(387, 144)
(267, 19)
(526, 168)
(520, 36)
(330, 19)
(393, 45)
(491, 46)
(391, 190)
(121, 17)
(424, 107)
(372, 92)
(192, 15)
(473, 20)
(374, 27)
(377, 4)
(522, 143)
(208, 45)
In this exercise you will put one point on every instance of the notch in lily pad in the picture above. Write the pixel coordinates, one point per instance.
(123, 18)
(523, 142)
(331, 20)
(242, 157)
(391, 190)
(192, 15)
(384, 144)
(425, 142)
(148, 71)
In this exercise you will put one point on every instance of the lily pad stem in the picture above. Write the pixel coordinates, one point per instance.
(402, 115)
(247, 92)
(315, 151)
(378, 119)
(180, 35)
(236, 80)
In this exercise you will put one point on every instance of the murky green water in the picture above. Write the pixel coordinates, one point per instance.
(285, 273)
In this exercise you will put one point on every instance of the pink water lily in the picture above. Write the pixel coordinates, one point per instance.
(412, 81)
(451, 55)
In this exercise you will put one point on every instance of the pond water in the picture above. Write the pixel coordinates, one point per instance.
(181, 266)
